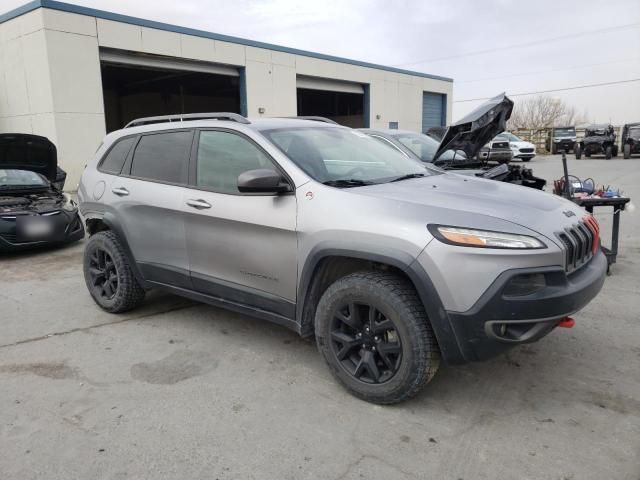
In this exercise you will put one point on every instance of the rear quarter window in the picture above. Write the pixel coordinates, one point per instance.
(116, 156)
(163, 157)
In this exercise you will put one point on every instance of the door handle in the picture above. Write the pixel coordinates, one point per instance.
(199, 204)
(120, 191)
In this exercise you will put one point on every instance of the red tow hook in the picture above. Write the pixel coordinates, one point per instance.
(566, 322)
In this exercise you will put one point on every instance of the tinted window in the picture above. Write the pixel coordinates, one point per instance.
(162, 157)
(222, 157)
(116, 157)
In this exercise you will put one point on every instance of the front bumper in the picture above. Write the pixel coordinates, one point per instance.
(526, 154)
(497, 322)
(68, 224)
(564, 145)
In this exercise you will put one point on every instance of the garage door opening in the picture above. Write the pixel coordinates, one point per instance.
(342, 102)
(134, 91)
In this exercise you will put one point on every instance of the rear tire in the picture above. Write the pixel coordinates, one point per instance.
(361, 316)
(554, 150)
(108, 275)
(608, 152)
(578, 152)
(626, 151)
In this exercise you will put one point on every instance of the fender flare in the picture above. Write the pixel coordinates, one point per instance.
(445, 335)
(116, 228)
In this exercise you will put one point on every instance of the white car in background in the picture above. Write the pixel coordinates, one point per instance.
(525, 151)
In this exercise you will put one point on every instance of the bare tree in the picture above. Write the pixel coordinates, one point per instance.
(543, 112)
(572, 117)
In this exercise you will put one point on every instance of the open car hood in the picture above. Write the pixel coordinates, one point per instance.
(473, 131)
(21, 151)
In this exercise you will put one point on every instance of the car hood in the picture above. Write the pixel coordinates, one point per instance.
(477, 128)
(472, 197)
(21, 151)
(522, 144)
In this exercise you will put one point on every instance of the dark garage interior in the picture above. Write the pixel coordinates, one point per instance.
(132, 92)
(344, 108)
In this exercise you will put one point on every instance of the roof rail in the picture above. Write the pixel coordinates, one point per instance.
(233, 117)
(315, 119)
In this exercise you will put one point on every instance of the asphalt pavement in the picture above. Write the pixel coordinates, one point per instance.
(180, 390)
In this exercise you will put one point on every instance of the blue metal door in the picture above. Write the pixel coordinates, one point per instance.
(434, 108)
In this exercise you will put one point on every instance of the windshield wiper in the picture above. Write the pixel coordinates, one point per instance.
(407, 177)
(347, 182)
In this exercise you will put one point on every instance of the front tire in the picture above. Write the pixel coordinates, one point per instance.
(108, 275)
(626, 151)
(373, 332)
(608, 152)
(578, 152)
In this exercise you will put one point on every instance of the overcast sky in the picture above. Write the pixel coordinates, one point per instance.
(486, 46)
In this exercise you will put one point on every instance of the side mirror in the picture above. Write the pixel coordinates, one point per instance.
(262, 180)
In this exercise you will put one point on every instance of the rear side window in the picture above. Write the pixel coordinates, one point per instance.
(162, 157)
(116, 157)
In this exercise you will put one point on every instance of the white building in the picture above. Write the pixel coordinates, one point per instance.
(72, 74)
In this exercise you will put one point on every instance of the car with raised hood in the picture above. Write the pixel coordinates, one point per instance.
(34, 212)
(393, 265)
(598, 139)
(563, 139)
(630, 139)
(469, 157)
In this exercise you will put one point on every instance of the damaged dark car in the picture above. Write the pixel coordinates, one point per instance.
(460, 147)
(598, 140)
(34, 212)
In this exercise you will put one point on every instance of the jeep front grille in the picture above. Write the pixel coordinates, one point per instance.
(581, 241)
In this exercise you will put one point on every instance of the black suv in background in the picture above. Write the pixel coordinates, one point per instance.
(631, 139)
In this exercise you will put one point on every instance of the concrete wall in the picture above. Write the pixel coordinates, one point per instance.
(50, 82)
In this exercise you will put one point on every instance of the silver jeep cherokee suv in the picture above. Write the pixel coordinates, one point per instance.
(392, 264)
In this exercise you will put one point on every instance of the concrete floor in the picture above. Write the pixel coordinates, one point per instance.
(183, 390)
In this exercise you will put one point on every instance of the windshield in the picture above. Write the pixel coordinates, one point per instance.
(340, 154)
(510, 137)
(634, 132)
(564, 132)
(595, 132)
(20, 178)
(426, 147)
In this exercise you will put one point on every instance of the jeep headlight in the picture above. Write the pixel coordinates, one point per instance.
(467, 237)
(69, 203)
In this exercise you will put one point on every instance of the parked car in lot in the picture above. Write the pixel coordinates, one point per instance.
(497, 150)
(598, 139)
(563, 139)
(33, 210)
(630, 139)
(521, 149)
(419, 147)
(392, 264)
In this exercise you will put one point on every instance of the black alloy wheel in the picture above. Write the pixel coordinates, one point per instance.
(366, 343)
(103, 274)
